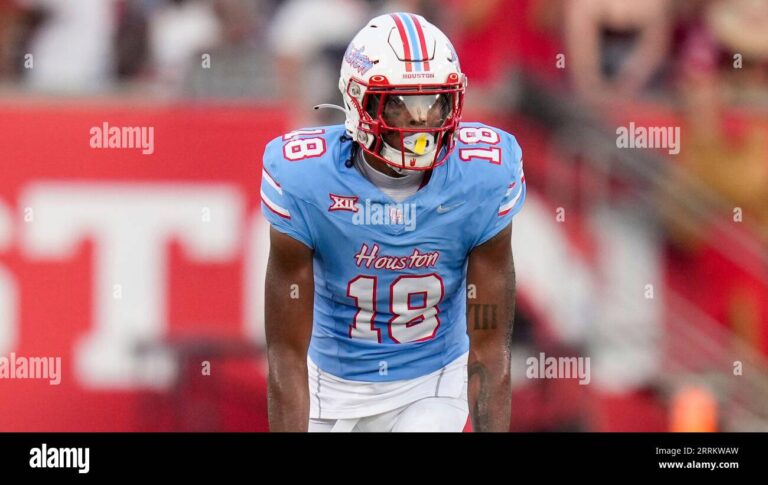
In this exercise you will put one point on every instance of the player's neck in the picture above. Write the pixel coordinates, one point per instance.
(382, 167)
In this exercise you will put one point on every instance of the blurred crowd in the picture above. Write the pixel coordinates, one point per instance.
(611, 49)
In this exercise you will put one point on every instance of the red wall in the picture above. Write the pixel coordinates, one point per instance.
(54, 300)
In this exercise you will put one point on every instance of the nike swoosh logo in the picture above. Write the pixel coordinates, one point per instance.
(441, 209)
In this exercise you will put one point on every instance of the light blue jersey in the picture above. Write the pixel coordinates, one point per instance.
(390, 278)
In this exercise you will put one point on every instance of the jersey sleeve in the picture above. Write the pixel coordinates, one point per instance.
(283, 209)
(506, 199)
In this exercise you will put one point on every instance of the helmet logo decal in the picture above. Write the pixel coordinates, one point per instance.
(418, 75)
(359, 61)
(414, 43)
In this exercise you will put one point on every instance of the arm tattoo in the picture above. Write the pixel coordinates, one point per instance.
(483, 315)
(480, 416)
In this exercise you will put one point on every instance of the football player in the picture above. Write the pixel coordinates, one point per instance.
(381, 230)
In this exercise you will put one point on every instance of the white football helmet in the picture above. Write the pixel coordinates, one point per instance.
(403, 91)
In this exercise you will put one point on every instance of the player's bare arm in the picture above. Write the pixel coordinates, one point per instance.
(288, 329)
(491, 270)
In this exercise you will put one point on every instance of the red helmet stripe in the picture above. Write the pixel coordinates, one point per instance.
(422, 42)
(404, 39)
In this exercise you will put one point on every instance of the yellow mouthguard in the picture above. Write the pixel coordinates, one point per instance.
(420, 145)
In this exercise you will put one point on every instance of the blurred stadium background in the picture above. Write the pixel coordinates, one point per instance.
(139, 271)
